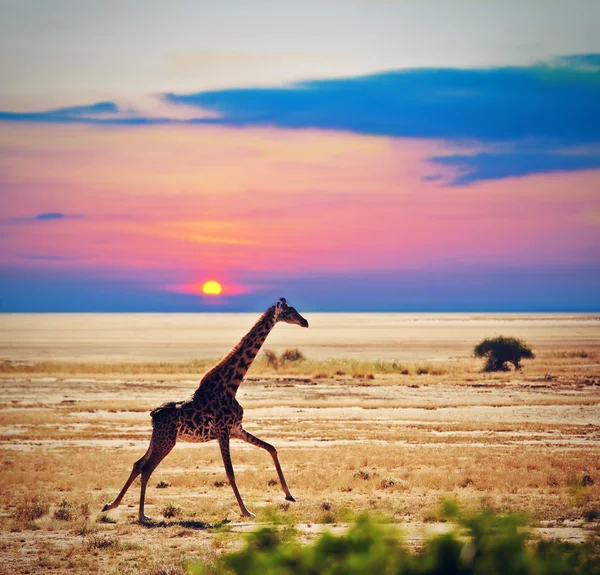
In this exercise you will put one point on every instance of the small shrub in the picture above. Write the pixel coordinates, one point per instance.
(171, 511)
(219, 483)
(501, 350)
(272, 359)
(101, 541)
(292, 355)
(422, 371)
(64, 512)
(361, 474)
(31, 509)
(387, 483)
(106, 519)
(163, 485)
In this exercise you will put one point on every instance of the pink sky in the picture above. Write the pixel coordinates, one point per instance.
(207, 203)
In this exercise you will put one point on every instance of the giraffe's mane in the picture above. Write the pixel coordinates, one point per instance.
(224, 361)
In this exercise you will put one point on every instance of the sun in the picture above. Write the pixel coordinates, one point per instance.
(212, 287)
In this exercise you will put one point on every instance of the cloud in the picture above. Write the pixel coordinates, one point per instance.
(559, 102)
(50, 216)
(545, 106)
(515, 163)
(534, 112)
(43, 217)
(98, 113)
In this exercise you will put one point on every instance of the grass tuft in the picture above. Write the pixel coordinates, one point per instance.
(65, 511)
(171, 511)
(361, 474)
(101, 541)
(30, 509)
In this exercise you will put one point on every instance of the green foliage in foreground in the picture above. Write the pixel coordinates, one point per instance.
(502, 350)
(481, 544)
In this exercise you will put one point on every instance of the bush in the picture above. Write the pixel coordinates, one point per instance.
(485, 544)
(64, 512)
(171, 511)
(31, 508)
(292, 355)
(101, 541)
(272, 359)
(502, 350)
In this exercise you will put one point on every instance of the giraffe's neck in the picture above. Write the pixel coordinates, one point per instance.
(229, 373)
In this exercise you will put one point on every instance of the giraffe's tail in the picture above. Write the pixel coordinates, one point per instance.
(164, 408)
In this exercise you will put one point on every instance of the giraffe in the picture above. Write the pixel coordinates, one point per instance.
(212, 412)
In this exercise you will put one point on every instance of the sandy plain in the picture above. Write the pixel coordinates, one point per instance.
(389, 414)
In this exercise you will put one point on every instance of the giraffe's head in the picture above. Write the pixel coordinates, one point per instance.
(288, 314)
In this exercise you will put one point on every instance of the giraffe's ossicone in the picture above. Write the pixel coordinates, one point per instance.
(213, 411)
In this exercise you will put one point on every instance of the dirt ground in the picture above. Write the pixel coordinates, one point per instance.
(391, 444)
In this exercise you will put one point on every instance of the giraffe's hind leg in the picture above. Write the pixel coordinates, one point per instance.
(163, 440)
(242, 434)
(157, 455)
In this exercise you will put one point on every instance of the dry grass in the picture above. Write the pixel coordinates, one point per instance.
(394, 445)
(554, 363)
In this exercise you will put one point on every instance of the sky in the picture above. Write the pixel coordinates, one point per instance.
(381, 155)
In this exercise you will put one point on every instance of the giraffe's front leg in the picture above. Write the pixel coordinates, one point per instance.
(241, 433)
(224, 445)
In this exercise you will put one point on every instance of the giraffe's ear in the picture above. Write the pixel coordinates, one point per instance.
(282, 301)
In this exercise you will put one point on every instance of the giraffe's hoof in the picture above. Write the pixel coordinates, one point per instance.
(290, 498)
(248, 514)
(106, 508)
(145, 519)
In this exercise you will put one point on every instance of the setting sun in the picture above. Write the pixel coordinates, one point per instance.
(212, 287)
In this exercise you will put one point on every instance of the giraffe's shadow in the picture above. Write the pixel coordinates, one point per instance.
(186, 523)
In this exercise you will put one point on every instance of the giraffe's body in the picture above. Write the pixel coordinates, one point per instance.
(213, 411)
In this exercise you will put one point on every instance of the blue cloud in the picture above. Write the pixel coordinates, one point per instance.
(536, 112)
(548, 107)
(50, 216)
(63, 115)
(99, 113)
(560, 103)
(495, 166)
(43, 217)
